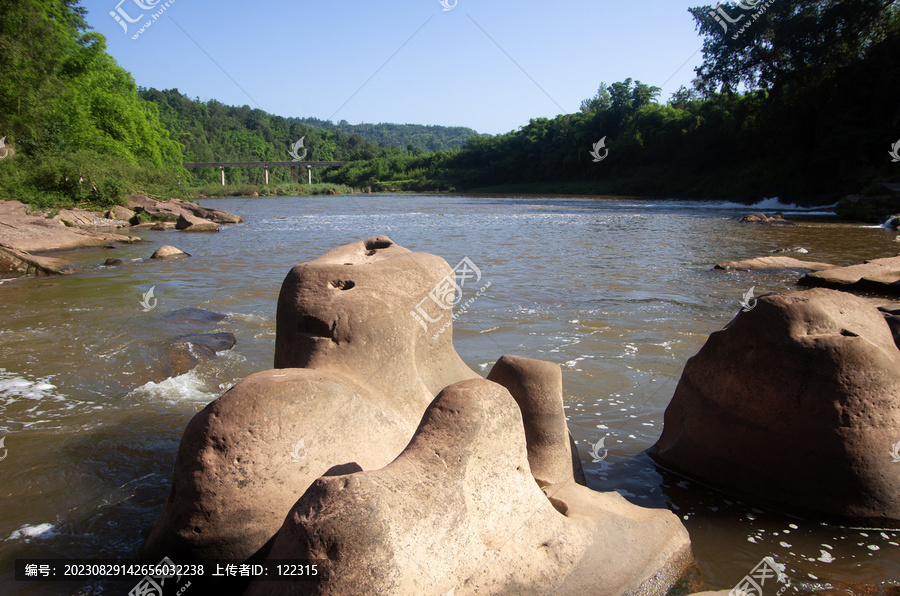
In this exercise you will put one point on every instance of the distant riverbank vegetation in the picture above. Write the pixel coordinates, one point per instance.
(800, 101)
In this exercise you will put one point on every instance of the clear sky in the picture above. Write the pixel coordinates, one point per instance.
(488, 65)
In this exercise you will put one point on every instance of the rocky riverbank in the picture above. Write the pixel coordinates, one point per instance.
(24, 235)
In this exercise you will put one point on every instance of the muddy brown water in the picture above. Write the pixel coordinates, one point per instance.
(620, 293)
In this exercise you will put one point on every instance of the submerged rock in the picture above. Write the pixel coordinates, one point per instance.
(776, 219)
(774, 263)
(187, 351)
(794, 404)
(186, 316)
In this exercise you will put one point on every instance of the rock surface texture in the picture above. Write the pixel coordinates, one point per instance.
(32, 233)
(175, 208)
(189, 223)
(795, 403)
(459, 512)
(877, 275)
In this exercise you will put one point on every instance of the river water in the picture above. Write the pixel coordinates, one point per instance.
(620, 293)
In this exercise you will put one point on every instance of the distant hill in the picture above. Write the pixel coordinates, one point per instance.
(426, 138)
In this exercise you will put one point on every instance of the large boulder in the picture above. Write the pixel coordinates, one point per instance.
(458, 512)
(354, 373)
(175, 208)
(796, 404)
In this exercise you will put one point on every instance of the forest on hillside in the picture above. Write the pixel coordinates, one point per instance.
(794, 98)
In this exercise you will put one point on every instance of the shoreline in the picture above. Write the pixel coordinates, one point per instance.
(32, 242)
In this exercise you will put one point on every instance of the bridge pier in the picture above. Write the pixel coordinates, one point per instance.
(267, 174)
(309, 174)
(223, 174)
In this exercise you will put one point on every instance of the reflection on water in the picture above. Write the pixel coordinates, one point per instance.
(619, 293)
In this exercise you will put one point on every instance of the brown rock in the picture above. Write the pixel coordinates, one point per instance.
(536, 385)
(458, 512)
(794, 404)
(75, 217)
(174, 208)
(776, 263)
(187, 351)
(163, 225)
(168, 252)
(17, 263)
(113, 262)
(189, 223)
(878, 275)
(120, 213)
(33, 233)
(371, 371)
(775, 219)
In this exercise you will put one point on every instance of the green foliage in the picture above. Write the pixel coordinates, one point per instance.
(212, 131)
(424, 138)
(81, 178)
(71, 112)
(799, 42)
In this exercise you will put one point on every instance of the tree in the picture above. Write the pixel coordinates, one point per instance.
(767, 45)
(601, 101)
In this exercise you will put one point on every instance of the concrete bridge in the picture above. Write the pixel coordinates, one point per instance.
(264, 164)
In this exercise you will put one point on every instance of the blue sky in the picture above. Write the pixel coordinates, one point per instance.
(488, 65)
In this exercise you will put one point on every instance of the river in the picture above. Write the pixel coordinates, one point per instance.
(618, 292)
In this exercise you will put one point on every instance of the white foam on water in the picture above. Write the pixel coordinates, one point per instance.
(189, 387)
(773, 204)
(32, 403)
(247, 317)
(28, 533)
